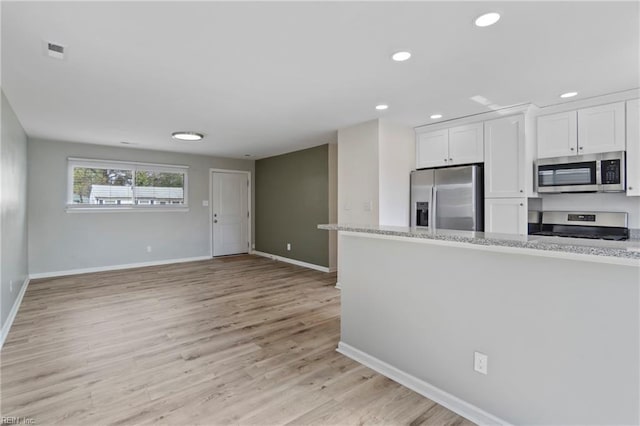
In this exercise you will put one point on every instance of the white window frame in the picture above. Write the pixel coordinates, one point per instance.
(134, 166)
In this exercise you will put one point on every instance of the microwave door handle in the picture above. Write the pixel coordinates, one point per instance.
(599, 173)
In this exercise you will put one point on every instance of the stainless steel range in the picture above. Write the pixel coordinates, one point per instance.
(602, 225)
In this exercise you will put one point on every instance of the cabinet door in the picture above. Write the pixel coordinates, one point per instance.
(557, 134)
(633, 147)
(505, 215)
(504, 159)
(601, 129)
(466, 144)
(432, 149)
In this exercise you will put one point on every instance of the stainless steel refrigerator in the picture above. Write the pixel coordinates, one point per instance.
(448, 198)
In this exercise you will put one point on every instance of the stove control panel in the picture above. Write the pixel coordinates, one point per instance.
(581, 217)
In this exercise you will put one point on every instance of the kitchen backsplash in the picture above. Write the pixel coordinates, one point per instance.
(615, 202)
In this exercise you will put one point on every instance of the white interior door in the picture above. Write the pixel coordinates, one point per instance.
(230, 213)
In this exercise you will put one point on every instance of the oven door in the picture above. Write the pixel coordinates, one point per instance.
(578, 176)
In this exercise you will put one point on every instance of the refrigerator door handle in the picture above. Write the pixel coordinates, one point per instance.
(434, 206)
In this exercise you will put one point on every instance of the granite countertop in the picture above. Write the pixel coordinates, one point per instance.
(617, 249)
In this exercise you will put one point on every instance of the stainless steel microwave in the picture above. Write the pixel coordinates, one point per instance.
(582, 173)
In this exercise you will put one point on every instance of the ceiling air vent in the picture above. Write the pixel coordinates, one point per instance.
(54, 50)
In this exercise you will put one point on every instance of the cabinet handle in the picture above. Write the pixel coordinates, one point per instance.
(521, 204)
(445, 160)
(450, 159)
(573, 149)
(630, 187)
(581, 148)
(521, 190)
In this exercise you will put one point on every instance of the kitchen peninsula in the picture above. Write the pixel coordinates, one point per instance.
(558, 319)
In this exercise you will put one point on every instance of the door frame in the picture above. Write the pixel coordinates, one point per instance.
(249, 207)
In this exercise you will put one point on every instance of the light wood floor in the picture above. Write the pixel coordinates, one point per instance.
(238, 340)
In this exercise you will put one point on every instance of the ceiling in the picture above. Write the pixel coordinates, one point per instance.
(264, 78)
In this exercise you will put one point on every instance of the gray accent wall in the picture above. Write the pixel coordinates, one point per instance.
(292, 199)
(13, 250)
(62, 241)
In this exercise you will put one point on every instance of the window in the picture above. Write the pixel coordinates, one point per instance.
(97, 184)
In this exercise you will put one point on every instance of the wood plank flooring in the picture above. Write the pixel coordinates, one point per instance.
(237, 340)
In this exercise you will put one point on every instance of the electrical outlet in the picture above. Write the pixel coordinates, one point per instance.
(205, 203)
(11, 286)
(288, 246)
(480, 362)
(148, 249)
(366, 206)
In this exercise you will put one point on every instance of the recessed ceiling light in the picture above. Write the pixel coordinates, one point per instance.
(247, 155)
(569, 95)
(401, 56)
(187, 136)
(382, 107)
(487, 19)
(436, 116)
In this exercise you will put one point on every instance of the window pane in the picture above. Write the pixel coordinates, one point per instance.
(102, 186)
(159, 187)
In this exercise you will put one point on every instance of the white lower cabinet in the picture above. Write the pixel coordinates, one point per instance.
(505, 215)
(633, 147)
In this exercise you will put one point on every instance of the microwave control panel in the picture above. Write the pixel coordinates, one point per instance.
(610, 172)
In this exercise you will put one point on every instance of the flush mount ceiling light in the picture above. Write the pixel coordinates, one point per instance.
(401, 56)
(436, 116)
(187, 136)
(487, 19)
(382, 107)
(569, 95)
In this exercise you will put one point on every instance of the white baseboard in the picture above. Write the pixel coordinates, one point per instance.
(338, 286)
(292, 261)
(115, 267)
(14, 311)
(453, 403)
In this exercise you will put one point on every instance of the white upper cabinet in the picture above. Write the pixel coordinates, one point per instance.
(448, 147)
(504, 160)
(585, 131)
(601, 129)
(633, 147)
(432, 149)
(466, 144)
(557, 134)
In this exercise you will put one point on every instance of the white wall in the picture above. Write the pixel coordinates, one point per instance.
(397, 158)
(61, 241)
(333, 204)
(617, 202)
(13, 202)
(562, 336)
(375, 159)
(358, 174)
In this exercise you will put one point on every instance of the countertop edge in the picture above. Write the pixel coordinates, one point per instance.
(537, 248)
